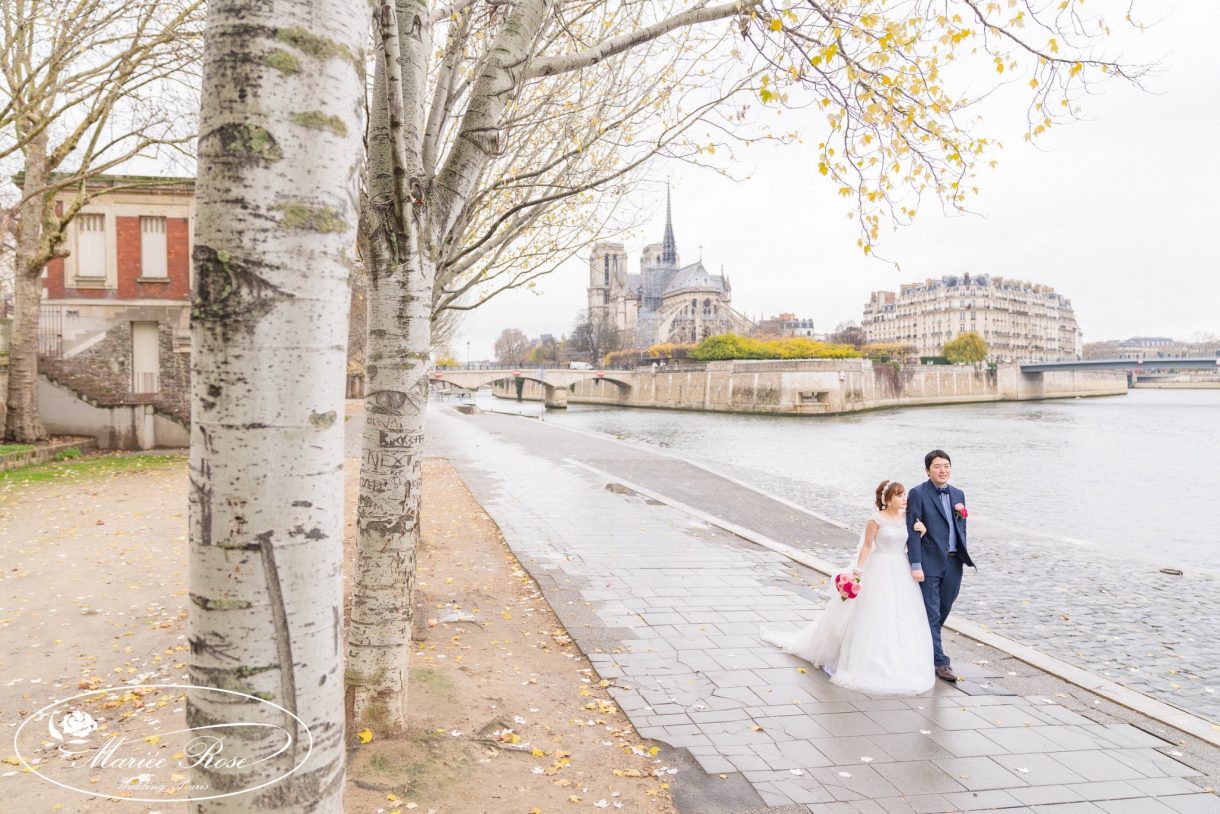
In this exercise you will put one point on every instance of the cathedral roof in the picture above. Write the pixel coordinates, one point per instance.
(694, 278)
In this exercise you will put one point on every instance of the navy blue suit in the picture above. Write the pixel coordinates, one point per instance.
(942, 573)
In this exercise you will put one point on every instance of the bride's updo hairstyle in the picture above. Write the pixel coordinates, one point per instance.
(886, 491)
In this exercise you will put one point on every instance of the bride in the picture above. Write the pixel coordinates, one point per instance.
(878, 642)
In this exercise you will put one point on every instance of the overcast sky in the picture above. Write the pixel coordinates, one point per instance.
(1116, 212)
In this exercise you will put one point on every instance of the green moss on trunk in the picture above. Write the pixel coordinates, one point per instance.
(310, 218)
(316, 120)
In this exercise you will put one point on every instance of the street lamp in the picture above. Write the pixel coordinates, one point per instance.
(467, 354)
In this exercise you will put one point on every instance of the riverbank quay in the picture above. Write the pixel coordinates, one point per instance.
(808, 386)
(668, 606)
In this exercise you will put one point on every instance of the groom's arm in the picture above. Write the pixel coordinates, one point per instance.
(913, 539)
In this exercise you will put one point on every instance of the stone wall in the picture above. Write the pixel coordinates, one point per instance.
(117, 426)
(823, 387)
(102, 372)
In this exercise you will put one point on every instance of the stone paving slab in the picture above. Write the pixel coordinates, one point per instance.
(653, 589)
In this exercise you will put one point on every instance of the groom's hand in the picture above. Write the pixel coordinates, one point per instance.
(917, 576)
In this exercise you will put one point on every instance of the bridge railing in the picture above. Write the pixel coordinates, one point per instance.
(476, 367)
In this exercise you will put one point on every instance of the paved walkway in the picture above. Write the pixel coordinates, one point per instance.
(1114, 615)
(669, 608)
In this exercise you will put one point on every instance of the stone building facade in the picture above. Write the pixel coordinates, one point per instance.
(115, 320)
(1020, 321)
(785, 325)
(665, 301)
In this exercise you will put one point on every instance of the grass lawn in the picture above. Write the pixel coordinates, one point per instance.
(93, 465)
(14, 448)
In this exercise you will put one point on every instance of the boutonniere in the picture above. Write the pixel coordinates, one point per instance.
(960, 511)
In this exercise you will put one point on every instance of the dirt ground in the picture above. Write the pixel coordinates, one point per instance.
(93, 588)
(507, 714)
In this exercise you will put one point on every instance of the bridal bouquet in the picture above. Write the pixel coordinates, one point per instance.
(848, 585)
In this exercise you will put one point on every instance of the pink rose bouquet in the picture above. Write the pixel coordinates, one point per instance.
(848, 585)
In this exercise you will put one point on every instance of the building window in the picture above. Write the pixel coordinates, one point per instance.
(153, 251)
(91, 245)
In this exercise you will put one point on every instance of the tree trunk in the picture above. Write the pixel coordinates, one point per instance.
(279, 151)
(401, 234)
(401, 271)
(400, 319)
(22, 423)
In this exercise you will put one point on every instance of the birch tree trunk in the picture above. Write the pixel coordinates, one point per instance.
(404, 216)
(399, 259)
(22, 423)
(279, 152)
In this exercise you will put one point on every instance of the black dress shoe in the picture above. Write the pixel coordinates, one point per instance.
(946, 672)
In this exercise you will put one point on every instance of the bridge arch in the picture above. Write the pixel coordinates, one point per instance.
(556, 383)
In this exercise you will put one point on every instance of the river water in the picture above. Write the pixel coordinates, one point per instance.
(1132, 475)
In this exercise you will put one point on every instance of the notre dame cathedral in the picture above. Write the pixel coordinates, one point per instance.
(665, 301)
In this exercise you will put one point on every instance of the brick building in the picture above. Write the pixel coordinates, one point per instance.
(115, 322)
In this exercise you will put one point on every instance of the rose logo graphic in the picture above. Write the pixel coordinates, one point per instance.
(145, 754)
(76, 725)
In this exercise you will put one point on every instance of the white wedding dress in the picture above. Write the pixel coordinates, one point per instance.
(878, 642)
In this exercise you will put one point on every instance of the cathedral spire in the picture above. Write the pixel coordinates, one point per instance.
(669, 248)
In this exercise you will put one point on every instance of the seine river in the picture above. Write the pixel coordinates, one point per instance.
(1133, 475)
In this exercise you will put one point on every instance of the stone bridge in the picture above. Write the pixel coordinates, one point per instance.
(556, 382)
(1140, 362)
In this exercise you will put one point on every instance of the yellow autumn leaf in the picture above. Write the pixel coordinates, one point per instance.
(1077, 68)
(391, 797)
(365, 735)
(777, 24)
(153, 739)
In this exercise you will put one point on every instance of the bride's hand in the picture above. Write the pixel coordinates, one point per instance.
(920, 527)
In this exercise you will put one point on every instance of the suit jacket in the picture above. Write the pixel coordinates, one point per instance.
(932, 550)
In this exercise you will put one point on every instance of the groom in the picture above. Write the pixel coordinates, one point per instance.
(938, 557)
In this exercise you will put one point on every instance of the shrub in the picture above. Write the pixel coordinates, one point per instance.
(888, 351)
(622, 358)
(734, 346)
(670, 350)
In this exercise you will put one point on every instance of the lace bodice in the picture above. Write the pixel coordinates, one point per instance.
(891, 536)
